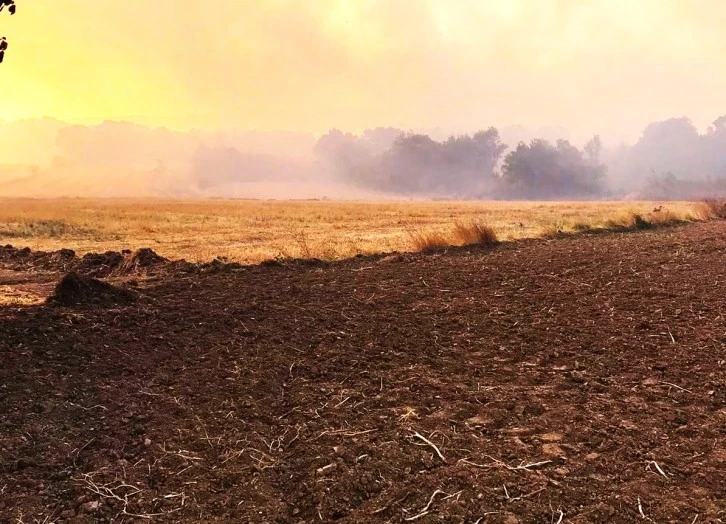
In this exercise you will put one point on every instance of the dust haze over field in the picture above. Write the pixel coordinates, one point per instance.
(47, 158)
(244, 99)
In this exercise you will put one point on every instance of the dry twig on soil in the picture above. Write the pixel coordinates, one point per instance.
(677, 387)
(427, 441)
(498, 463)
(121, 491)
(425, 511)
(384, 508)
(660, 470)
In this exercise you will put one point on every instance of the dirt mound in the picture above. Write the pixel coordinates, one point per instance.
(76, 289)
(140, 261)
(100, 264)
(9, 252)
(63, 254)
(27, 259)
(125, 262)
(97, 265)
(182, 266)
(62, 260)
(144, 261)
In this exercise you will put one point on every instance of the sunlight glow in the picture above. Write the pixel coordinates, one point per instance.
(300, 65)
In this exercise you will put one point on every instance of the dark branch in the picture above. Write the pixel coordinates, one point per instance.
(10, 4)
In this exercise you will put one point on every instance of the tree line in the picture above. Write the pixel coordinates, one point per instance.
(670, 160)
(394, 161)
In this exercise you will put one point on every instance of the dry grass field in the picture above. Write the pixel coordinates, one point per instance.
(252, 231)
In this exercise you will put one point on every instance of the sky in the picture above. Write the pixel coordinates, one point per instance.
(310, 65)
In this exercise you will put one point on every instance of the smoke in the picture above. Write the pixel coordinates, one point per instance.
(313, 65)
(670, 160)
(187, 73)
(121, 159)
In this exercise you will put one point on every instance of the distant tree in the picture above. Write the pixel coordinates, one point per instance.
(409, 166)
(388, 159)
(543, 170)
(672, 145)
(660, 185)
(344, 152)
(381, 139)
(460, 166)
(672, 160)
(478, 153)
(473, 159)
(593, 148)
(676, 133)
(718, 127)
(715, 148)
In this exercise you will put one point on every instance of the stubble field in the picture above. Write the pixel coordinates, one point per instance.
(253, 231)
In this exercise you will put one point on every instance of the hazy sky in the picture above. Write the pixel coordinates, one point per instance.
(309, 65)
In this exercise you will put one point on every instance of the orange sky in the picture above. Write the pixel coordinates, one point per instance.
(308, 65)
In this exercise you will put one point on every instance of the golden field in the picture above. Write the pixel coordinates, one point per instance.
(250, 231)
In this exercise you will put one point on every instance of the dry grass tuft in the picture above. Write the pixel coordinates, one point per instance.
(475, 233)
(582, 227)
(425, 241)
(662, 216)
(553, 230)
(625, 219)
(711, 208)
(303, 244)
(632, 220)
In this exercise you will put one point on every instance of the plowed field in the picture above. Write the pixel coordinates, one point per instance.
(571, 380)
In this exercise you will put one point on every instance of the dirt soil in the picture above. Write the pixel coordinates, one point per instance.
(570, 380)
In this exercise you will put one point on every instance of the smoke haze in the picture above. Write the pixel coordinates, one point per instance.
(183, 75)
(48, 158)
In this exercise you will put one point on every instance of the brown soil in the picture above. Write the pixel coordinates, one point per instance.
(579, 378)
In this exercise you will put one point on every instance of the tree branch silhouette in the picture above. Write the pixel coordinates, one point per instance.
(10, 4)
